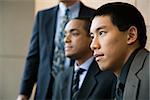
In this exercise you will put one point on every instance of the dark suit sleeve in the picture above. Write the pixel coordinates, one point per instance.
(57, 87)
(32, 62)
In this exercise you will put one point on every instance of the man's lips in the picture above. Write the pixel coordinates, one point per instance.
(98, 57)
(68, 47)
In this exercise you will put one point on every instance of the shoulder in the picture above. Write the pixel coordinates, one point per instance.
(142, 59)
(48, 10)
(86, 8)
(47, 14)
(86, 11)
(143, 52)
(139, 69)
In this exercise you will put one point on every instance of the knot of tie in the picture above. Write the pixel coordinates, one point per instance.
(67, 12)
(80, 71)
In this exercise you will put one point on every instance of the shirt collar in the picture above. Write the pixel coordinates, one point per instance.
(85, 65)
(74, 8)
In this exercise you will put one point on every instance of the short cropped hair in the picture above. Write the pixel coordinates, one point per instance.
(124, 15)
(87, 24)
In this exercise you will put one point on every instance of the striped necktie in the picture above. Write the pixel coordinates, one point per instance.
(59, 54)
(75, 83)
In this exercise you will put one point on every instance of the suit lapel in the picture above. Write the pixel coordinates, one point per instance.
(50, 28)
(89, 82)
(132, 82)
(66, 87)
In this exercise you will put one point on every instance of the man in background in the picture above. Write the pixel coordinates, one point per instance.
(41, 66)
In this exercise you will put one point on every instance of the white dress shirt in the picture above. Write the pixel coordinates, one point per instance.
(85, 66)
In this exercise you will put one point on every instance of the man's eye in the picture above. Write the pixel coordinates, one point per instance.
(101, 33)
(65, 33)
(92, 36)
(75, 33)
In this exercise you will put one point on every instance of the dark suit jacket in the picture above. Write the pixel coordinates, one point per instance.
(137, 83)
(97, 85)
(39, 59)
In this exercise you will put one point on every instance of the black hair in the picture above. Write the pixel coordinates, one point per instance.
(125, 15)
(87, 24)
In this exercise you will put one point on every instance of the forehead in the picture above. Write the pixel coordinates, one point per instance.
(101, 22)
(75, 24)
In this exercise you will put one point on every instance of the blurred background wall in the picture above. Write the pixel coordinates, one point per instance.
(16, 22)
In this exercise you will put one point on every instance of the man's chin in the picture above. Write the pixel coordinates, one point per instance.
(68, 55)
(102, 67)
(71, 56)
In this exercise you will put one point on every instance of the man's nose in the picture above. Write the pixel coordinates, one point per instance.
(67, 38)
(95, 43)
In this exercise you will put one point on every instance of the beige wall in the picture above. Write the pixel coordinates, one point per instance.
(16, 20)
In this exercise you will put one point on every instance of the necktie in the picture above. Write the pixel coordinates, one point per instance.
(59, 55)
(119, 90)
(75, 85)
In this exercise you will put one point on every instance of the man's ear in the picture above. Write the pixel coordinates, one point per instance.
(132, 35)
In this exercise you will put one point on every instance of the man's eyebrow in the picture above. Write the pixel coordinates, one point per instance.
(99, 28)
(73, 30)
(70, 31)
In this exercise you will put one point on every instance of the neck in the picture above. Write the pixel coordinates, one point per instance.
(81, 60)
(69, 2)
(118, 69)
